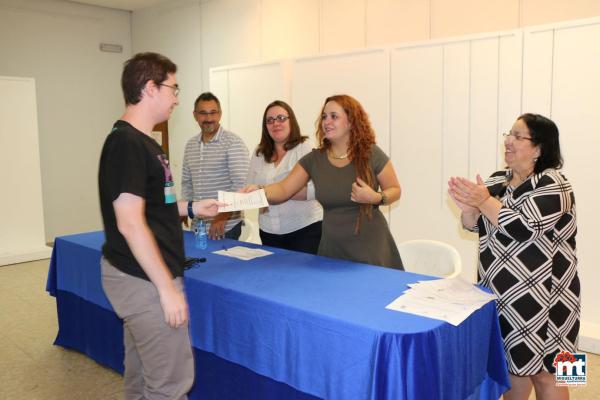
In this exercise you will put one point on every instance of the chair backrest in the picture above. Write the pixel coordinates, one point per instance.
(430, 257)
(250, 232)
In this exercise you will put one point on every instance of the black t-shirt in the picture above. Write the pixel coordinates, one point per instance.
(132, 162)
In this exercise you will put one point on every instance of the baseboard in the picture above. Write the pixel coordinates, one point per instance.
(589, 337)
(25, 256)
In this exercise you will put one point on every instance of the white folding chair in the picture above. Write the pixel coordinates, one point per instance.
(430, 257)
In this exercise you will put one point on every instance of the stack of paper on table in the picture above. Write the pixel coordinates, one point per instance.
(451, 300)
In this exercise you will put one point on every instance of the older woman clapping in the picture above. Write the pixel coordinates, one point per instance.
(525, 216)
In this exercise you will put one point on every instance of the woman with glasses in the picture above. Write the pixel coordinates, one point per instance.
(352, 178)
(296, 223)
(525, 216)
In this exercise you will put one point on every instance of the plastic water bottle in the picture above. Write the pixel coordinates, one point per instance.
(201, 240)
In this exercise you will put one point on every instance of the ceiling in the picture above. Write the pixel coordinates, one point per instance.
(128, 5)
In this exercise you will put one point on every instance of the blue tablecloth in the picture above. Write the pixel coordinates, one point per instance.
(316, 324)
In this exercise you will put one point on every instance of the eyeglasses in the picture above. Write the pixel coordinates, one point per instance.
(280, 118)
(207, 113)
(516, 136)
(175, 88)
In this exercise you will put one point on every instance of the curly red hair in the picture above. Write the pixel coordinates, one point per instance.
(362, 139)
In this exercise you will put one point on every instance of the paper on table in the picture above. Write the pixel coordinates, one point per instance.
(451, 300)
(454, 291)
(428, 307)
(243, 253)
(242, 201)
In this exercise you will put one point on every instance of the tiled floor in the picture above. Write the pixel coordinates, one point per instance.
(32, 368)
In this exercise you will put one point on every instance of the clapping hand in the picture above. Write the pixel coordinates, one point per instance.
(468, 195)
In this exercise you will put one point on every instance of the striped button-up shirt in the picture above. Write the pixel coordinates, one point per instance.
(220, 164)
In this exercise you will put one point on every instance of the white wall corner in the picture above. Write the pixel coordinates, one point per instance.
(40, 253)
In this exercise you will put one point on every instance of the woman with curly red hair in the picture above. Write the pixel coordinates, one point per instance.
(352, 178)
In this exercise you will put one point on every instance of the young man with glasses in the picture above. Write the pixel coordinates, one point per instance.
(214, 160)
(143, 257)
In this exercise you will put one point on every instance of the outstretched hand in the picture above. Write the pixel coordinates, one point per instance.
(207, 207)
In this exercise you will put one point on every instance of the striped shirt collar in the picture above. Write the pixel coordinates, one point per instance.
(215, 138)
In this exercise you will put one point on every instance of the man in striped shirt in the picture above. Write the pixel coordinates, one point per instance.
(214, 160)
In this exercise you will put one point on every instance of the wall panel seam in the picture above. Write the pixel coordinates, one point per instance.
(499, 43)
(442, 131)
(430, 19)
(522, 72)
(261, 47)
(390, 108)
(365, 20)
(552, 60)
(470, 110)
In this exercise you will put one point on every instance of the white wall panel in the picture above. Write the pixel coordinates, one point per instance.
(483, 140)
(456, 111)
(342, 25)
(250, 90)
(21, 209)
(363, 75)
(448, 97)
(230, 33)
(416, 148)
(455, 151)
(510, 73)
(290, 28)
(537, 71)
(219, 86)
(575, 108)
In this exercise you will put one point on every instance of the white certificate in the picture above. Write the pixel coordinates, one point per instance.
(242, 201)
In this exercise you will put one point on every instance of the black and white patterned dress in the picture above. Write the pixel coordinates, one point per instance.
(529, 262)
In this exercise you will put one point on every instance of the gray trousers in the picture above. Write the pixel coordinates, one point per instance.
(159, 363)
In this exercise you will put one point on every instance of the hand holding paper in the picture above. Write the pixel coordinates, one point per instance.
(242, 201)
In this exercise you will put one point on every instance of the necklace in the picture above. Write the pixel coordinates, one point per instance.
(342, 157)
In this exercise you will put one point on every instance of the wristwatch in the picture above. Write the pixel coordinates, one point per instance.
(191, 209)
(383, 198)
